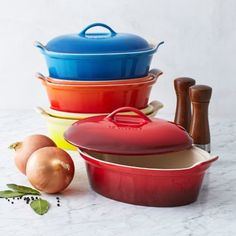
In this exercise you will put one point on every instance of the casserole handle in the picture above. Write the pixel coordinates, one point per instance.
(39, 45)
(83, 32)
(43, 78)
(205, 163)
(112, 116)
(40, 76)
(41, 111)
(155, 73)
(158, 45)
(156, 105)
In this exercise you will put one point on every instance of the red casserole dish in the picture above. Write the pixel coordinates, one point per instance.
(99, 98)
(140, 160)
(149, 182)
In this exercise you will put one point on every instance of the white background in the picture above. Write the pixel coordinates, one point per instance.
(200, 42)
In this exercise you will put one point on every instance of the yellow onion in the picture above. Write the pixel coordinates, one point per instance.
(50, 169)
(27, 146)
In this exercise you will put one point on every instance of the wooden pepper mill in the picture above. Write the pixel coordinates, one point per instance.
(200, 96)
(183, 106)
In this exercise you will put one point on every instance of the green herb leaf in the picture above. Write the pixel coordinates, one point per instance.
(23, 189)
(40, 206)
(10, 194)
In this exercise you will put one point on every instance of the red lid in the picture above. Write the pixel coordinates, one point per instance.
(127, 134)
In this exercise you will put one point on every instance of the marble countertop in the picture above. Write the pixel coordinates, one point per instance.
(83, 212)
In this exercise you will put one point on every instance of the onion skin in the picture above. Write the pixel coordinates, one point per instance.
(25, 148)
(50, 169)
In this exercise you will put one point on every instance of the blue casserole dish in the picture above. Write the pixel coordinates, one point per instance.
(98, 56)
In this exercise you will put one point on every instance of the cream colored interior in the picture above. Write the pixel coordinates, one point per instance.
(174, 160)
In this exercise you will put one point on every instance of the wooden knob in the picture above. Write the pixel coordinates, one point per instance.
(200, 93)
(182, 84)
(200, 96)
(183, 106)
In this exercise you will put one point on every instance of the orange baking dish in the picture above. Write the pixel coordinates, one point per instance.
(99, 98)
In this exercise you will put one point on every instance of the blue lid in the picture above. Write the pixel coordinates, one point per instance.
(110, 42)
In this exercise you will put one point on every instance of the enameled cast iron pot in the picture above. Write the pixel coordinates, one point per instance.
(140, 160)
(99, 98)
(59, 122)
(90, 56)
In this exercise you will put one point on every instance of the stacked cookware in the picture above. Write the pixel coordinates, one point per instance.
(104, 80)
(95, 73)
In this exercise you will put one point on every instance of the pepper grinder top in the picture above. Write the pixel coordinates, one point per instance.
(183, 106)
(200, 96)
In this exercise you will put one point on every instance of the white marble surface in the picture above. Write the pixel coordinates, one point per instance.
(83, 212)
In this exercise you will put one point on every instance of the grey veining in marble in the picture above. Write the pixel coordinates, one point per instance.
(84, 212)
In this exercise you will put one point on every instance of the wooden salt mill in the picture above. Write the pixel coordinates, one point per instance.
(183, 106)
(200, 96)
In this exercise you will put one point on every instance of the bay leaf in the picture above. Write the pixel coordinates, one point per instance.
(23, 189)
(10, 194)
(40, 206)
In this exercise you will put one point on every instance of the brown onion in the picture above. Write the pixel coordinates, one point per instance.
(25, 148)
(50, 169)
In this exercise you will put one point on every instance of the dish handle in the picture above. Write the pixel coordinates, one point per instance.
(43, 78)
(205, 164)
(156, 107)
(83, 32)
(157, 46)
(39, 45)
(40, 76)
(155, 73)
(123, 120)
(41, 111)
